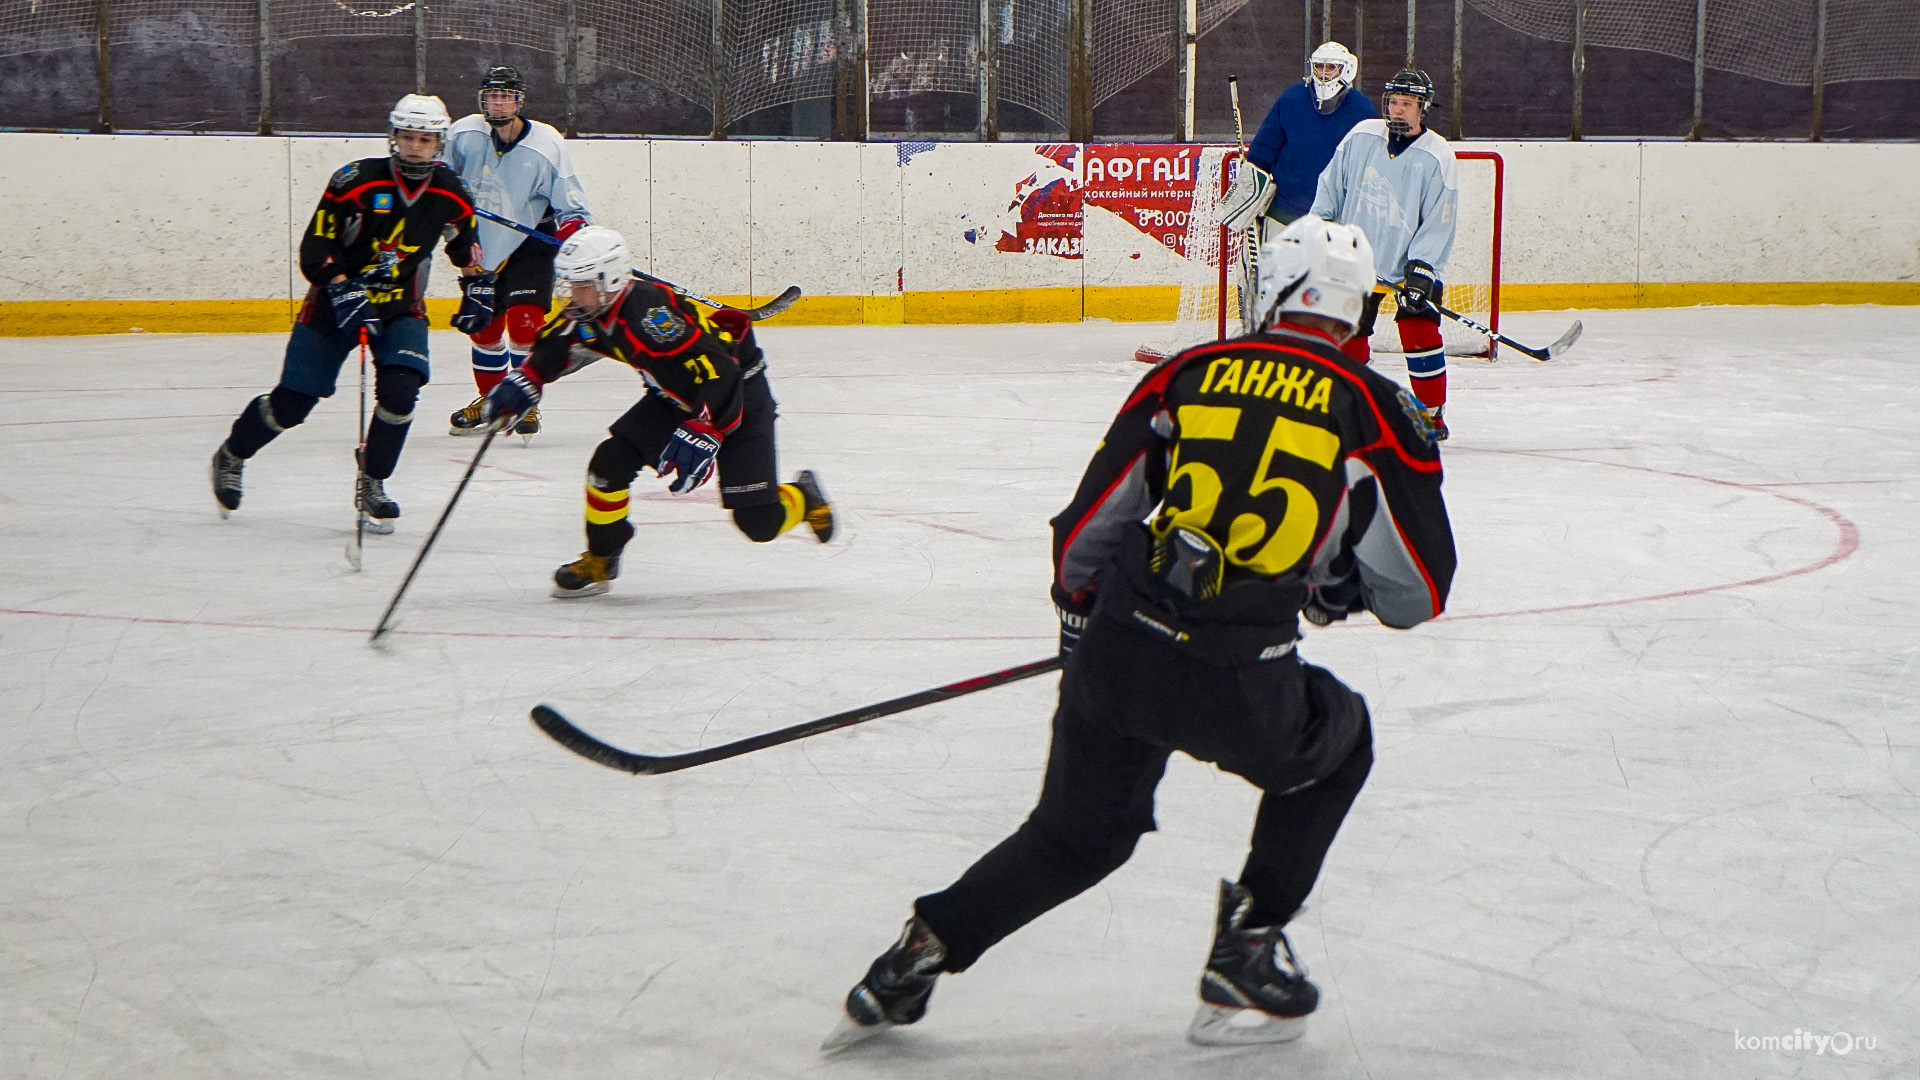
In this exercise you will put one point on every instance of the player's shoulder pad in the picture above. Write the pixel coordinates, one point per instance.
(472, 123)
(354, 172)
(1373, 125)
(545, 139)
(653, 314)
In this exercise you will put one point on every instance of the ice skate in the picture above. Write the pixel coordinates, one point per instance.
(896, 988)
(818, 511)
(467, 421)
(1254, 989)
(373, 501)
(589, 575)
(528, 426)
(225, 474)
(1440, 432)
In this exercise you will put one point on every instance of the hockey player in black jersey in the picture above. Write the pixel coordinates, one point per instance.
(1243, 483)
(707, 405)
(366, 254)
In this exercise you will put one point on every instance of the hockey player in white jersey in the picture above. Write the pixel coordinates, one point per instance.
(517, 168)
(1398, 182)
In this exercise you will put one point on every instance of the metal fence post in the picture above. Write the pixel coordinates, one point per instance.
(1699, 68)
(717, 70)
(989, 126)
(1187, 26)
(1080, 70)
(1360, 29)
(266, 71)
(1579, 69)
(103, 52)
(419, 47)
(850, 71)
(1819, 69)
(1326, 20)
(1306, 37)
(570, 66)
(1459, 40)
(1413, 24)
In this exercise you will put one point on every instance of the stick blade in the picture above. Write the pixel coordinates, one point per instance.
(776, 305)
(567, 734)
(1567, 339)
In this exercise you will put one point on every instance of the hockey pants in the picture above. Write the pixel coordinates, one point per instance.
(1126, 703)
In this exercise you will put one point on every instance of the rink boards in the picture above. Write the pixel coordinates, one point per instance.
(186, 232)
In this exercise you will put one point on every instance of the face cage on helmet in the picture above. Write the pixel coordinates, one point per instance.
(410, 169)
(608, 288)
(519, 98)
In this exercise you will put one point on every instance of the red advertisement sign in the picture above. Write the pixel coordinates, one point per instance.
(1149, 185)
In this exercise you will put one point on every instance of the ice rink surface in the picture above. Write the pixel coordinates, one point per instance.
(1647, 791)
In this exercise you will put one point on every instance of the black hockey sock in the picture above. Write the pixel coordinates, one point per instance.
(395, 390)
(608, 540)
(265, 417)
(761, 523)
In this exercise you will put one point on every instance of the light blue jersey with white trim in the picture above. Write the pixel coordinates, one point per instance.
(1407, 204)
(533, 177)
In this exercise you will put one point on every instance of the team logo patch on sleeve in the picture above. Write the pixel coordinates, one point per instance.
(1416, 412)
(346, 174)
(663, 325)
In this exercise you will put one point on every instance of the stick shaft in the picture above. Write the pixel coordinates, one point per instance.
(780, 304)
(566, 734)
(387, 615)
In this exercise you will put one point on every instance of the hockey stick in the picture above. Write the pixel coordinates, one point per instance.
(387, 615)
(566, 734)
(1558, 348)
(765, 311)
(360, 464)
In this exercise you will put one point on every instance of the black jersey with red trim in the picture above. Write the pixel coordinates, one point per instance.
(1302, 464)
(662, 335)
(381, 229)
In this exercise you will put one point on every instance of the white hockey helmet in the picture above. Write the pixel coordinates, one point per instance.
(1315, 267)
(1333, 55)
(598, 254)
(417, 112)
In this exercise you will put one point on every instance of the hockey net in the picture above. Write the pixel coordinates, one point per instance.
(1210, 287)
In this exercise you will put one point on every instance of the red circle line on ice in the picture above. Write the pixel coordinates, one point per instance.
(1846, 543)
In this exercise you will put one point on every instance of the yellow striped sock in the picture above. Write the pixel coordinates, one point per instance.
(795, 504)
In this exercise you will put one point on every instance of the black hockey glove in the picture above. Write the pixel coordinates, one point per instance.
(1419, 289)
(510, 398)
(352, 308)
(476, 303)
(1073, 617)
(1327, 604)
(689, 454)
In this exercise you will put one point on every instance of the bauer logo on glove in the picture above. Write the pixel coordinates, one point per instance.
(689, 455)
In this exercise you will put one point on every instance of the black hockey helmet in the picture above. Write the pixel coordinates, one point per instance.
(1412, 82)
(499, 78)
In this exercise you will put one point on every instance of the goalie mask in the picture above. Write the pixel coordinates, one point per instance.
(598, 256)
(1331, 72)
(417, 112)
(1314, 267)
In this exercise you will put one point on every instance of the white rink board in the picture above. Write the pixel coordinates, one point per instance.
(1624, 805)
(190, 217)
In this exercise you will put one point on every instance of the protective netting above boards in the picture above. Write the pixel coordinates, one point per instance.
(733, 58)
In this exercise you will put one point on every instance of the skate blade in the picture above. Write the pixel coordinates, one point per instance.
(380, 526)
(1216, 1025)
(353, 553)
(846, 1033)
(596, 588)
